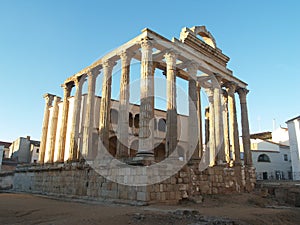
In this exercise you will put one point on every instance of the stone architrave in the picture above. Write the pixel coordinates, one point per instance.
(104, 120)
(171, 134)
(48, 103)
(53, 129)
(245, 126)
(63, 130)
(233, 125)
(74, 147)
(226, 126)
(122, 143)
(193, 111)
(146, 123)
(88, 127)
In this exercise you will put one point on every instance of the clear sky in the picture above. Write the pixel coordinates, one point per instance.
(44, 42)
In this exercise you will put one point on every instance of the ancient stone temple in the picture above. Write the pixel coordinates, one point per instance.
(96, 147)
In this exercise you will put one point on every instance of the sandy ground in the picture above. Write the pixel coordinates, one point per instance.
(240, 209)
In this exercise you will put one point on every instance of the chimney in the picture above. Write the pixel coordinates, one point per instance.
(28, 138)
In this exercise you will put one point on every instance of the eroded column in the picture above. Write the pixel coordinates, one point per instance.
(225, 125)
(212, 136)
(245, 126)
(63, 129)
(53, 129)
(219, 133)
(74, 148)
(192, 120)
(146, 123)
(199, 113)
(104, 121)
(171, 134)
(88, 127)
(48, 103)
(122, 143)
(233, 125)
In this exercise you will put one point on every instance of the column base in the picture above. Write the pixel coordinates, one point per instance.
(143, 159)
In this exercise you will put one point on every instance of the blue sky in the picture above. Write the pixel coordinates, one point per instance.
(44, 42)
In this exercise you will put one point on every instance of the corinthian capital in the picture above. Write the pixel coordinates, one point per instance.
(170, 57)
(108, 64)
(146, 43)
(231, 88)
(79, 80)
(126, 57)
(93, 72)
(67, 87)
(48, 99)
(243, 94)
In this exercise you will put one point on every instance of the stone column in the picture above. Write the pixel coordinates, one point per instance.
(74, 148)
(48, 100)
(65, 109)
(122, 143)
(233, 125)
(146, 124)
(89, 115)
(192, 120)
(245, 126)
(53, 128)
(104, 120)
(225, 125)
(219, 132)
(199, 113)
(212, 136)
(171, 133)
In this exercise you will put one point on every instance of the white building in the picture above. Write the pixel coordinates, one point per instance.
(294, 136)
(24, 150)
(5, 149)
(133, 129)
(271, 155)
(1, 155)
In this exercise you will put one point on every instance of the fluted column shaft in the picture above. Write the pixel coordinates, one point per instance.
(146, 123)
(193, 136)
(233, 125)
(89, 115)
(245, 126)
(199, 113)
(74, 150)
(53, 128)
(212, 135)
(48, 100)
(171, 134)
(219, 132)
(104, 120)
(226, 126)
(63, 129)
(122, 144)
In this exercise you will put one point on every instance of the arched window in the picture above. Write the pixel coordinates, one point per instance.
(263, 158)
(162, 125)
(136, 121)
(130, 120)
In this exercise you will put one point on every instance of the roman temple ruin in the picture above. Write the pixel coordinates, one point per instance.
(96, 147)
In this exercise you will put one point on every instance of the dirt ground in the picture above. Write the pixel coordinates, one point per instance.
(239, 209)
